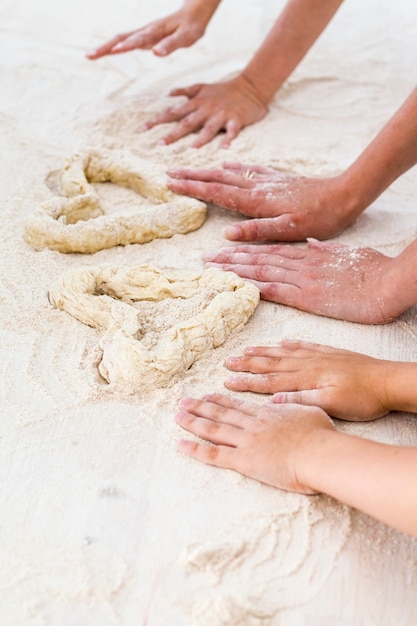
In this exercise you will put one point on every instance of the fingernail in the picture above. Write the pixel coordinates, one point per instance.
(160, 50)
(209, 256)
(91, 53)
(249, 349)
(184, 401)
(161, 142)
(232, 232)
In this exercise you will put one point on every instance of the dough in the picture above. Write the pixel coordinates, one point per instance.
(103, 297)
(75, 221)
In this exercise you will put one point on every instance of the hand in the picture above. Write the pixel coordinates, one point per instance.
(354, 284)
(179, 30)
(345, 384)
(285, 208)
(213, 108)
(268, 443)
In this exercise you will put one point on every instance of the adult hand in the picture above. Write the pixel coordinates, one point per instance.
(285, 208)
(268, 443)
(210, 109)
(355, 284)
(345, 384)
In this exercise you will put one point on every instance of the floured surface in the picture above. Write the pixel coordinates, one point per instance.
(103, 522)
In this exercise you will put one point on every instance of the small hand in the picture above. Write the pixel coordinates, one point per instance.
(210, 109)
(355, 284)
(345, 384)
(285, 208)
(179, 30)
(265, 442)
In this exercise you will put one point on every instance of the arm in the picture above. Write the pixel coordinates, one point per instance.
(298, 27)
(375, 478)
(390, 154)
(178, 30)
(243, 100)
(297, 448)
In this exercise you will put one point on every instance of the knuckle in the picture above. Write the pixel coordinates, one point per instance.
(212, 452)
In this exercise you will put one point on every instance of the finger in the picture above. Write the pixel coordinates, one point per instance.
(307, 397)
(169, 44)
(243, 167)
(213, 176)
(324, 245)
(233, 128)
(108, 46)
(285, 348)
(218, 456)
(209, 430)
(294, 348)
(280, 228)
(282, 293)
(228, 255)
(211, 128)
(258, 383)
(286, 250)
(265, 364)
(221, 194)
(185, 126)
(189, 92)
(172, 114)
(217, 408)
(309, 347)
(264, 273)
(139, 40)
(223, 177)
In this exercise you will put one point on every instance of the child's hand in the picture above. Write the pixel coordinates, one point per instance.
(265, 442)
(210, 109)
(345, 384)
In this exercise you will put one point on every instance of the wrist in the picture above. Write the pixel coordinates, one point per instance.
(400, 384)
(308, 466)
(397, 284)
(201, 11)
(249, 88)
(261, 85)
(355, 194)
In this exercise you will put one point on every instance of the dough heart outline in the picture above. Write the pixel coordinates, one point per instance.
(100, 295)
(75, 221)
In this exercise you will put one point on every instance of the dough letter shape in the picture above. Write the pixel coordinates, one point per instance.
(102, 297)
(75, 221)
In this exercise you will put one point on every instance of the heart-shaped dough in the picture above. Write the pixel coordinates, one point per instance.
(75, 221)
(102, 297)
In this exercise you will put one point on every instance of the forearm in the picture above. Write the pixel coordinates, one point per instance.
(390, 154)
(293, 34)
(203, 9)
(378, 479)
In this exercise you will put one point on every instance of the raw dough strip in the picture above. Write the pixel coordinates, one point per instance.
(88, 294)
(75, 221)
